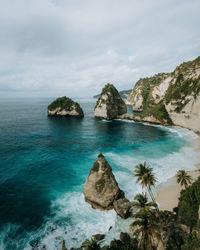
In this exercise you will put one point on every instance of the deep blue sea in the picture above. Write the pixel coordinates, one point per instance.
(44, 162)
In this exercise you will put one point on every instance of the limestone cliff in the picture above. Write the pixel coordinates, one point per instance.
(109, 104)
(64, 106)
(102, 191)
(172, 98)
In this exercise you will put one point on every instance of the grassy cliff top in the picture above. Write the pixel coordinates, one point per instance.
(65, 103)
(189, 64)
(110, 88)
(152, 81)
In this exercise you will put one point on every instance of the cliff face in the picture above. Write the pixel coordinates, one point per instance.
(109, 104)
(64, 106)
(171, 98)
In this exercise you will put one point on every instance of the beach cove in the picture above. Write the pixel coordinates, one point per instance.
(46, 161)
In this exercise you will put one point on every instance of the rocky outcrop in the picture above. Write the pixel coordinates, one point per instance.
(142, 91)
(101, 190)
(109, 104)
(64, 106)
(171, 98)
(122, 207)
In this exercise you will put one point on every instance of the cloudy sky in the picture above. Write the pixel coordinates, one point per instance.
(74, 47)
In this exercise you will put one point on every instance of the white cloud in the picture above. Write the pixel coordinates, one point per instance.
(74, 47)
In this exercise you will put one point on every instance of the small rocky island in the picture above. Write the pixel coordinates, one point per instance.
(110, 104)
(64, 106)
(101, 190)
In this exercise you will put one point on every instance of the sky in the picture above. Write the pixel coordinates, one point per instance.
(74, 47)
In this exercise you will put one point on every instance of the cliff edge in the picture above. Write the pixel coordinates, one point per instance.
(171, 98)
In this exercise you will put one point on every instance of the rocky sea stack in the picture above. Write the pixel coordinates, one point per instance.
(64, 106)
(109, 104)
(101, 189)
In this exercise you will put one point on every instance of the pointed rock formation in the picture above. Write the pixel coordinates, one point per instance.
(64, 106)
(109, 104)
(101, 189)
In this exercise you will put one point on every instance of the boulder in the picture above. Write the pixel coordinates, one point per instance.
(125, 238)
(65, 106)
(122, 207)
(101, 189)
(109, 104)
(98, 237)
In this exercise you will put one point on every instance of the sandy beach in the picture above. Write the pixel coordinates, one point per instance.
(168, 192)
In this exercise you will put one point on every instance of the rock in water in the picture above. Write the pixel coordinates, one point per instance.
(122, 207)
(109, 104)
(64, 106)
(101, 188)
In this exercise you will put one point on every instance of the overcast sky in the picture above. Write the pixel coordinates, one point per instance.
(74, 47)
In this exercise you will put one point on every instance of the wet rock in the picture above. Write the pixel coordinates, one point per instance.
(101, 189)
(122, 207)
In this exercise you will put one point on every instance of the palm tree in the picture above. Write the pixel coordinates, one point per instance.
(146, 177)
(183, 178)
(92, 244)
(146, 229)
(141, 202)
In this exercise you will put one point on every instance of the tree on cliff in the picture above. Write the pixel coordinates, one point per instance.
(141, 202)
(146, 229)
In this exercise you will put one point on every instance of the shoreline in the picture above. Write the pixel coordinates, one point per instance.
(169, 191)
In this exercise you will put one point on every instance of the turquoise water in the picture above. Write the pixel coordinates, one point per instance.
(44, 162)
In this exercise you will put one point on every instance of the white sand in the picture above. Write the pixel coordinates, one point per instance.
(169, 192)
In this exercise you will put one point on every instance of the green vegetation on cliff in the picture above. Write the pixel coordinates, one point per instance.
(65, 103)
(189, 203)
(147, 85)
(159, 98)
(181, 90)
(111, 102)
(108, 88)
(160, 113)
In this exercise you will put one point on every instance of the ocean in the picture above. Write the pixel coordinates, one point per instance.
(45, 161)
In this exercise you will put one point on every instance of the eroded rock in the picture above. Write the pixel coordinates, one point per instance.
(101, 188)
(109, 104)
